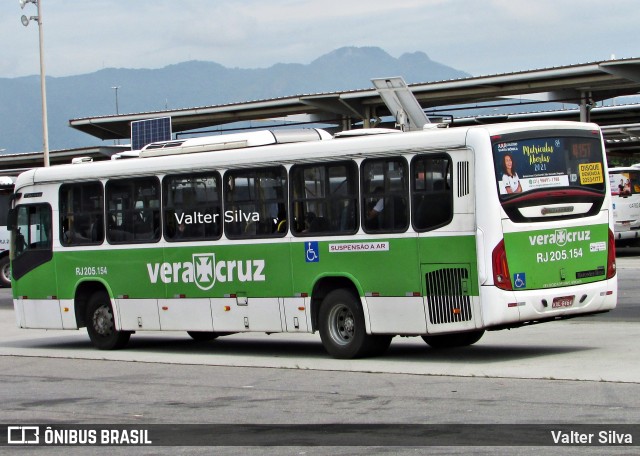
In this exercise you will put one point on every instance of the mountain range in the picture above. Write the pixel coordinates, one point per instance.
(187, 85)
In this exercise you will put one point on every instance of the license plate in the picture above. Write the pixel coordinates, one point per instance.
(563, 301)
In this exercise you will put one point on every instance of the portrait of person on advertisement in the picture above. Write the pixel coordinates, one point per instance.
(510, 179)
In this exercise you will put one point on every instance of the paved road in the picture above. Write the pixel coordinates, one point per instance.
(577, 371)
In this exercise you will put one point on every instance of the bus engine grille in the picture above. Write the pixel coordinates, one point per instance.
(446, 295)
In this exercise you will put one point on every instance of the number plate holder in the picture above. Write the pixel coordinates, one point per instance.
(562, 301)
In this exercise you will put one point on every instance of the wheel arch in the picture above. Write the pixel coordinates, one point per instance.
(327, 283)
(84, 290)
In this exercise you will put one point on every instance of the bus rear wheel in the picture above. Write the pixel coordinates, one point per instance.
(101, 323)
(342, 328)
(454, 340)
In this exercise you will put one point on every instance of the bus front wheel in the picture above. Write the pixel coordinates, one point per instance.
(454, 340)
(342, 328)
(101, 323)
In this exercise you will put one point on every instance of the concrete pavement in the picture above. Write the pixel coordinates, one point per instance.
(580, 349)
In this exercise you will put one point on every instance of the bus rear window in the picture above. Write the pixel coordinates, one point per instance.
(624, 182)
(524, 164)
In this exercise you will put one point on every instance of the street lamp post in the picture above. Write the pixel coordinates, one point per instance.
(25, 21)
(117, 141)
(116, 89)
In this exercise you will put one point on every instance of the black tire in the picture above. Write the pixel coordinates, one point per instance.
(202, 336)
(342, 328)
(101, 325)
(5, 271)
(379, 344)
(454, 340)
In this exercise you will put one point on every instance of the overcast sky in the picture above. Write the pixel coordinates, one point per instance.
(480, 37)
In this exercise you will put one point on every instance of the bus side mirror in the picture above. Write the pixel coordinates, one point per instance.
(11, 219)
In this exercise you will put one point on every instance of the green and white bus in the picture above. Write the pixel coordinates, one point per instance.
(441, 233)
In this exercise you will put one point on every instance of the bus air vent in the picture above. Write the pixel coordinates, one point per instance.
(447, 295)
(163, 144)
(233, 141)
(463, 178)
(78, 160)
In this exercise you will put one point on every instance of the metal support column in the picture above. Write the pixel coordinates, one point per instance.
(586, 103)
(367, 117)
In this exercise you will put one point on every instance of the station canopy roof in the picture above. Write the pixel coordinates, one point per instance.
(582, 85)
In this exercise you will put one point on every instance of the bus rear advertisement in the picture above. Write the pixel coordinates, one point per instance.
(442, 234)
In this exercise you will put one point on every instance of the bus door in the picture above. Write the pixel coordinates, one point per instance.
(34, 273)
(444, 208)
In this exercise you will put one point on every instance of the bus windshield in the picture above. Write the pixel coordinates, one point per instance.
(524, 164)
(549, 168)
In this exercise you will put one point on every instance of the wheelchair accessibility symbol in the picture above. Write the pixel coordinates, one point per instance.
(312, 252)
(519, 280)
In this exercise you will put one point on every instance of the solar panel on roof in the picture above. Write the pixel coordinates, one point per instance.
(145, 132)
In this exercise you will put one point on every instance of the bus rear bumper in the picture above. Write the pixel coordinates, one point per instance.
(502, 307)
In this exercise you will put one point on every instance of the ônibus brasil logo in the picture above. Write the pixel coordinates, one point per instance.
(204, 271)
(560, 237)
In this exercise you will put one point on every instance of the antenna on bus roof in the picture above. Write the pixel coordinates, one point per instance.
(401, 102)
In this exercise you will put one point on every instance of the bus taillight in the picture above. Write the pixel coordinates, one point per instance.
(611, 256)
(501, 276)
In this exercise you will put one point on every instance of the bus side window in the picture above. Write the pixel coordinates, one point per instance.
(133, 210)
(385, 195)
(81, 209)
(432, 203)
(192, 207)
(324, 198)
(255, 203)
